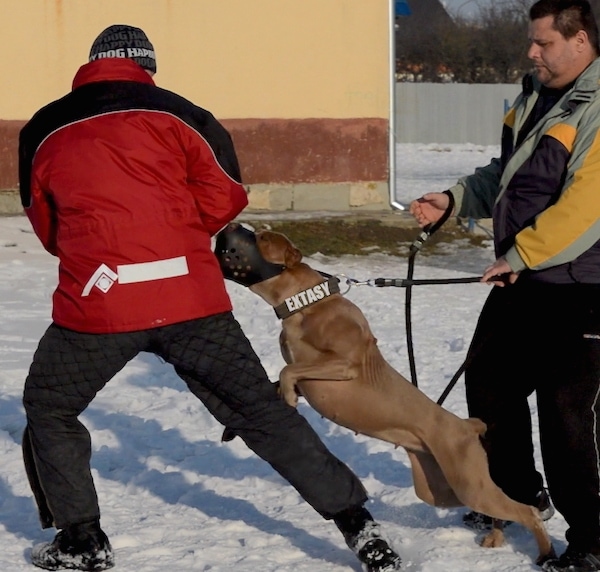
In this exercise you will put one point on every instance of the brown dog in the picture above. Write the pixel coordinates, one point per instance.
(333, 361)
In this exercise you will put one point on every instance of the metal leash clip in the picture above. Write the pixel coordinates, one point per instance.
(349, 282)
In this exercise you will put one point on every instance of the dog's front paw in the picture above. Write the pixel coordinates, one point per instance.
(493, 539)
(288, 390)
(290, 397)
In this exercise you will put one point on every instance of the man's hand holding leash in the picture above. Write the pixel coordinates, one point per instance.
(499, 273)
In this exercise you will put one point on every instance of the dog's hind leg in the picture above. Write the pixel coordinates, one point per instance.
(468, 473)
(431, 486)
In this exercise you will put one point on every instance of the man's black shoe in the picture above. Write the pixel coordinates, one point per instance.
(377, 556)
(572, 561)
(78, 547)
(363, 536)
(372, 549)
(479, 521)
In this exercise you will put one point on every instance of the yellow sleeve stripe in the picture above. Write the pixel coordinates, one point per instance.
(563, 133)
(569, 225)
(509, 118)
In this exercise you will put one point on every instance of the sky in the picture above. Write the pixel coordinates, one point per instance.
(173, 497)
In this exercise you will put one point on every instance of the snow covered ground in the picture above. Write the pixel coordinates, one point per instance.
(175, 498)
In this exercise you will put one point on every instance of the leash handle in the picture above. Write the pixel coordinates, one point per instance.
(446, 215)
(429, 229)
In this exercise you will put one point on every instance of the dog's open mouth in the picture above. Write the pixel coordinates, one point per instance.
(240, 259)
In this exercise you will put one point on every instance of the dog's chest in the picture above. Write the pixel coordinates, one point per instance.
(294, 348)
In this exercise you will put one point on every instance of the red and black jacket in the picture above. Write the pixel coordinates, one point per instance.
(125, 183)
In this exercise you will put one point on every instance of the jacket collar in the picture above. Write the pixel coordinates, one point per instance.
(589, 81)
(111, 69)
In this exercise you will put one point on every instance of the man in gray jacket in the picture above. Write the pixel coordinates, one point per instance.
(539, 329)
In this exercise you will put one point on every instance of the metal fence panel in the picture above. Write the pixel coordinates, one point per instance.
(451, 112)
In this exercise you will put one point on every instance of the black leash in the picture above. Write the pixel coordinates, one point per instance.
(414, 250)
(454, 380)
(405, 283)
(471, 353)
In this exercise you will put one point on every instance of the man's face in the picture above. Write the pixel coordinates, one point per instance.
(557, 60)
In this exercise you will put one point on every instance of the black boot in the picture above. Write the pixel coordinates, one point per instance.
(363, 536)
(81, 546)
(573, 561)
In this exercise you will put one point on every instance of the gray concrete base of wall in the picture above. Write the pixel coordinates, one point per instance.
(342, 197)
(363, 196)
(10, 203)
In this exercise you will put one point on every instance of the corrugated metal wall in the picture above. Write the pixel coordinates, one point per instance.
(451, 112)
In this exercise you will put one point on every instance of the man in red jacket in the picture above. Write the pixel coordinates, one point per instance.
(126, 183)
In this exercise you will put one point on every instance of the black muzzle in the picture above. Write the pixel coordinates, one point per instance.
(240, 258)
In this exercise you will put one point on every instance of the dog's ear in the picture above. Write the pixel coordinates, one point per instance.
(292, 256)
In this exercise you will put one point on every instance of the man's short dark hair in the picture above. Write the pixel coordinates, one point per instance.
(570, 16)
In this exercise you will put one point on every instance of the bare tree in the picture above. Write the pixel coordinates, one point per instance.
(501, 36)
(491, 48)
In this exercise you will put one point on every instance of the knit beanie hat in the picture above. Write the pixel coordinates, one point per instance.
(122, 41)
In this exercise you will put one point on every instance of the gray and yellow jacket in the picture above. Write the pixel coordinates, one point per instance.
(544, 193)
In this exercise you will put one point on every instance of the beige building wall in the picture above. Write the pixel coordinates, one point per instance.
(288, 78)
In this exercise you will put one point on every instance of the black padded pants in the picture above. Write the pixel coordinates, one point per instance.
(542, 338)
(218, 364)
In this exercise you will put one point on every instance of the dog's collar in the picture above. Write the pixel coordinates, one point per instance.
(307, 298)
